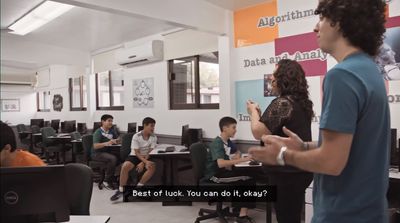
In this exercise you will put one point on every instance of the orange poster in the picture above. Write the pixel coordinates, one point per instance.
(255, 25)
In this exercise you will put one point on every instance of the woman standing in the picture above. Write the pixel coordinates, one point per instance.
(291, 109)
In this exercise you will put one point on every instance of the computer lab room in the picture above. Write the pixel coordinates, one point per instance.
(207, 111)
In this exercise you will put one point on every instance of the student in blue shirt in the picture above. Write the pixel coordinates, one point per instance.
(350, 160)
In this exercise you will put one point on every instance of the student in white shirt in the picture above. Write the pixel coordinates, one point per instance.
(142, 144)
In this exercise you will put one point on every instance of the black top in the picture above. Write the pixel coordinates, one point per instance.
(283, 111)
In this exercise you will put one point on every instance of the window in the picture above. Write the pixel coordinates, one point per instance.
(77, 94)
(194, 82)
(43, 101)
(110, 90)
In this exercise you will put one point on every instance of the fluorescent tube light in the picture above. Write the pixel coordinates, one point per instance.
(39, 16)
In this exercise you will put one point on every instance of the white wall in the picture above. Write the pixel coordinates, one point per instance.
(59, 75)
(27, 103)
(170, 121)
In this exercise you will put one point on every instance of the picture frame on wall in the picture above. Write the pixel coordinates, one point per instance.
(10, 105)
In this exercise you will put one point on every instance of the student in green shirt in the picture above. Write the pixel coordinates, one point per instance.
(103, 137)
(221, 157)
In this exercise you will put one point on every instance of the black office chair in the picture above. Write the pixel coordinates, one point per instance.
(125, 151)
(198, 156)
(97, 166)
(23, 137)
(79, 188)
(132, 127)
(50, 145)
(76, 147)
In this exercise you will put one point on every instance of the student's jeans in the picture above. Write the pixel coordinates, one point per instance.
(111, 161)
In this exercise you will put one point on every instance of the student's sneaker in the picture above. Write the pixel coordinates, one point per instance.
(244, 219)
(116, 196)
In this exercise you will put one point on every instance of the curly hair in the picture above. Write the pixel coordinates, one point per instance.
(362, 22)
(291, 81)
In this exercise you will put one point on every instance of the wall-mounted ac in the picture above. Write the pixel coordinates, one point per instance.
(149, 52)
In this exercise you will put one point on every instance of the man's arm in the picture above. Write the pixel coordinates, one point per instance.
(229, 163)
(330, 158)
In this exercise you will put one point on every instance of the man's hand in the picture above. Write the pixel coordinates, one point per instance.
(252, 107)
(140, 167)
(269, 152)
(113, 141)
(293, 141)
(149, 164)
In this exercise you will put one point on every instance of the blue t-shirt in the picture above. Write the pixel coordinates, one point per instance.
(355, 102)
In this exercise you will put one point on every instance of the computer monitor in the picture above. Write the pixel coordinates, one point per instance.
(132, 127)
(69, 126)
(55, 124)
(190, 135)
(34, 194)
(394, 150)
(185, 135)
(38, 122)
(96, 125)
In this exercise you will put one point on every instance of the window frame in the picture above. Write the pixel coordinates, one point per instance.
(38, 109)
(81, 107)
(196, 104)
(111, 107)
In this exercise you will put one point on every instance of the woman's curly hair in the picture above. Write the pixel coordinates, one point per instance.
(291, 81)
(362, 22)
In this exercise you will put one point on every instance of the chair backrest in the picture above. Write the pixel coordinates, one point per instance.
(76, 135)
(198, 156)
(79, 188)
(21, 128)
(46, 132)
(87, 143)
(132, 127)
(126, 145)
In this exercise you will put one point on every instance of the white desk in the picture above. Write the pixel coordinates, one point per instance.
(88, 219)
(394, 173)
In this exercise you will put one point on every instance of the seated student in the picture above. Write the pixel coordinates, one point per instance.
(221, 157)
(142, 144)
(10, 156)
(103, 137)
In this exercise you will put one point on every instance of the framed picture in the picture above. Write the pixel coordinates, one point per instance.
(9, 105)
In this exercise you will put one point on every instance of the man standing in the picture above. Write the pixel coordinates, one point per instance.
(103, 137)
(350, 160)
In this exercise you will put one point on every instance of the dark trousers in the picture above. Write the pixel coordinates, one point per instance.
(290, 195)
(111, 161)
(223, 173)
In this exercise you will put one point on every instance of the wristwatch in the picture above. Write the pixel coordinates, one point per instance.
(279, 158)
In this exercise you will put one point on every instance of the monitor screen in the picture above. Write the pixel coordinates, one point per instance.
(96, 125)
(34, 194)
(37, 122)
(69, 126)
(132, 127)
(185, 135)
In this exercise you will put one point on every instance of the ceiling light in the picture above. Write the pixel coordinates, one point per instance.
(39, 16)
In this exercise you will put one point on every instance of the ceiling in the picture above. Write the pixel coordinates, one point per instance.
(84, 29)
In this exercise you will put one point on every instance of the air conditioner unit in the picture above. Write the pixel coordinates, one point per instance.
(148, 52)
